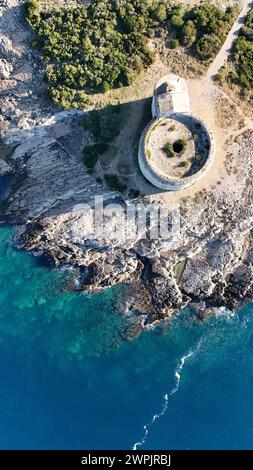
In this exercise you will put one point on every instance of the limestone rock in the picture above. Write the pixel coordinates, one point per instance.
(5, 169)
(5, 69)
(52, 201)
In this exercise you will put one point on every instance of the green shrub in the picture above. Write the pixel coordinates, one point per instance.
(242, 56)
(247, 32)
(106, 86)
(105, 124)
(104, 44)
(91, 154)
(249, 19)
(33, 12)
(203, 28)
(222, 75)
(114, 183)
(189, 33)
(68, 98)
(160, 12)
(148, 153)
(176, 17)
(133, 192)
(177, 21)
(207, 46)
(169, 150)
(96, 46)
(35, 44)
(183, 164)
(174, 43)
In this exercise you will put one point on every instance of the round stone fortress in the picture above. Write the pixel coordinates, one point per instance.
(176, 148)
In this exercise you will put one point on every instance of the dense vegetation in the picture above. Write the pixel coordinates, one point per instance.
(203, 28)
(242, 55)
(239, 68)
(104, 44)
(94, 47)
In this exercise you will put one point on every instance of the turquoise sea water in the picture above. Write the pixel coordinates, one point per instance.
(69, 380)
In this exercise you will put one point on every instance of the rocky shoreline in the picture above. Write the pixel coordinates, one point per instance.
(50, 185)
(215, 241)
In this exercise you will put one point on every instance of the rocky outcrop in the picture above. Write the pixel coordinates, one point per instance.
(52, 199)
(22, 101)
(5, 169)
(5, 69)
(214, 235)
(50, 170)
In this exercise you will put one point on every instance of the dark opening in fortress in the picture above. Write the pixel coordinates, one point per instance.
(178, 146)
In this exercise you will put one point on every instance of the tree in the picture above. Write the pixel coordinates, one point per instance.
(98, 46)
(177, 21)
(160, 12)
(174, 43)
(207, 46)
(189, 33)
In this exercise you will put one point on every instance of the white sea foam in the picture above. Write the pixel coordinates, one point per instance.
(227, 314)
(77, 282)
(166, 397)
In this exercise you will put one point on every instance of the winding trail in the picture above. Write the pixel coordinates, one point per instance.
(233, 34)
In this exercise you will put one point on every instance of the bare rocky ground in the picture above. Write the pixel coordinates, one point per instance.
(213, 245)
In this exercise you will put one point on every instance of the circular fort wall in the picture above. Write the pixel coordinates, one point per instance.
(165, 181)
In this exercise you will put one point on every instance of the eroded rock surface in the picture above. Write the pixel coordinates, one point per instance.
(214, 239)
(51, 191)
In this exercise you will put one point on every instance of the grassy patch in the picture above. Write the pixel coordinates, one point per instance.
(169, 150)
(179, 269)
(183, 164)
(148, 153)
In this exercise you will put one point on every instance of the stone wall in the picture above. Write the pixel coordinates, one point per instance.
(166, 183)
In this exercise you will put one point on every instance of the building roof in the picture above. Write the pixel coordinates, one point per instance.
(171, 96)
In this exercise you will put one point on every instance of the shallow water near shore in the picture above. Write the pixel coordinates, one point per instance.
(70, 380)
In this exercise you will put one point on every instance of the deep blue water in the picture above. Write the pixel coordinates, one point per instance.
(69, 380)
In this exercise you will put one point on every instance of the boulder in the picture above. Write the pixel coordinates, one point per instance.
(5, 169)
(5, 69)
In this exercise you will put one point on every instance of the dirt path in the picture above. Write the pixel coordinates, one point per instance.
(222, 57)
(204, 94)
